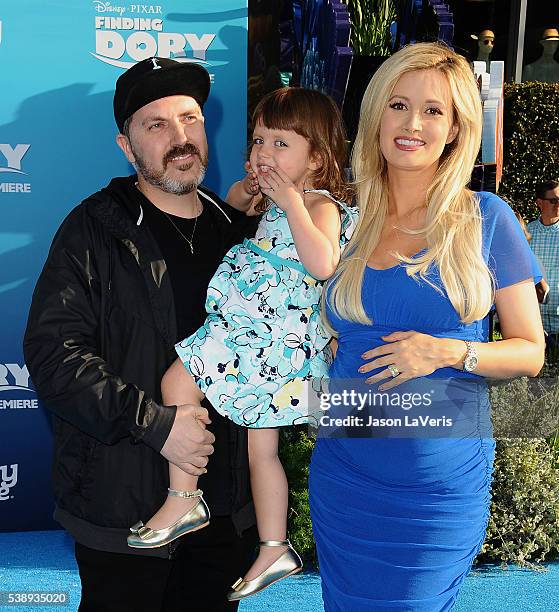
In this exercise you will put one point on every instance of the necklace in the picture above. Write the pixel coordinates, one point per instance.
(190, 240)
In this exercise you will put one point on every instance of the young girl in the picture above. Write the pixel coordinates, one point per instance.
(262, 344)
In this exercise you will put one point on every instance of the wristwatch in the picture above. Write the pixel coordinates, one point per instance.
(470, 360)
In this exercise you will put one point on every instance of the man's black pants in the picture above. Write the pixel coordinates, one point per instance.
(205, 566)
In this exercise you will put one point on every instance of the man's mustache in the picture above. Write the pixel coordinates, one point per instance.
(187, 149)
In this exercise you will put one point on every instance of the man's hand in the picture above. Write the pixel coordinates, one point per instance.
(189, 442)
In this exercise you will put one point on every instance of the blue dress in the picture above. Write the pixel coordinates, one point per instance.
(399, 517)
(263, 347)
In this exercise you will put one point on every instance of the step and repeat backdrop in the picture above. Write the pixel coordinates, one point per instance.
(59, 61)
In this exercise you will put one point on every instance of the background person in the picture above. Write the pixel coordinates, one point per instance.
(542, 288)
(545, 244)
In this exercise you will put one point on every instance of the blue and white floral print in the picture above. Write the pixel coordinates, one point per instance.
(263, 349)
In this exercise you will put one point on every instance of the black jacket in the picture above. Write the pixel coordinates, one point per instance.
(100, 336)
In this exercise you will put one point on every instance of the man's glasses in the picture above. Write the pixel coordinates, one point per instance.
(553, 201)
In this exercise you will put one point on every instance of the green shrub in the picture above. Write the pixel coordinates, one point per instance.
(531, 142)
(553, 442)
(295, 453)
(524, 521)
(525, 407)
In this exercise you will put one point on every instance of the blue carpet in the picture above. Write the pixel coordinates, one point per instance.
(43, 561)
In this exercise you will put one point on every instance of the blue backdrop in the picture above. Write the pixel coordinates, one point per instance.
(59, 61)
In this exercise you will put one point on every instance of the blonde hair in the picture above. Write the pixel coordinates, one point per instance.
(453, 220)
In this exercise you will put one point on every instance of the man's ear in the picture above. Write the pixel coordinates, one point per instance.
(452, 133)
(124, 144)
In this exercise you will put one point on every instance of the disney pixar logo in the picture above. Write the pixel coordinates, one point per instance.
(122, 41)
(139, 9)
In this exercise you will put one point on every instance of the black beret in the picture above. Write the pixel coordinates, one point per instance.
(155, 78)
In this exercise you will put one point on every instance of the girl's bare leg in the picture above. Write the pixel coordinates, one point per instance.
(177, 388)
(270, 495)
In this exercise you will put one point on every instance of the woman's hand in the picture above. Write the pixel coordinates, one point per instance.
(277, 185)
(408, 355)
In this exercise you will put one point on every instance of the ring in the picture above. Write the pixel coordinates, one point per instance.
(394, 370)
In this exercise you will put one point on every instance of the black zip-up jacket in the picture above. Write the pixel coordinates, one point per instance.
(100, 335)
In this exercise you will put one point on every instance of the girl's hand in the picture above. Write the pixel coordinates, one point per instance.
(277, 185)
(250, 182)
(409, 355)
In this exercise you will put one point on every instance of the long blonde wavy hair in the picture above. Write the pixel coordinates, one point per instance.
(453, 220)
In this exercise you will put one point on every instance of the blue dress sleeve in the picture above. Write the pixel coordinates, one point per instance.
(506, 249)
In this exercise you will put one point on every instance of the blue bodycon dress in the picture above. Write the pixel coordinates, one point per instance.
(398, 519)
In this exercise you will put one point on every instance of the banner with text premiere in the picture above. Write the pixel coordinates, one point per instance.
(58, 65)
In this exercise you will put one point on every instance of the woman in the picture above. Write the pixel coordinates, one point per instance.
(399, 517)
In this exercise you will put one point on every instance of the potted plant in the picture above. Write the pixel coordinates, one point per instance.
(371, 41)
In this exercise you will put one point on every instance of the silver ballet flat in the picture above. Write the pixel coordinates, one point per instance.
(196, 518)
(288, 564)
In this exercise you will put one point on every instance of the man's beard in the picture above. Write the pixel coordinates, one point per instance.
(157, 177)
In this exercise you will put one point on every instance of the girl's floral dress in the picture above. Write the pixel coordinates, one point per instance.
(263, 349)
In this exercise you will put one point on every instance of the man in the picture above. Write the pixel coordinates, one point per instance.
(545, 244)
(125, 279)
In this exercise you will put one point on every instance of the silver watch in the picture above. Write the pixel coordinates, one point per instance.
(470, 360)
